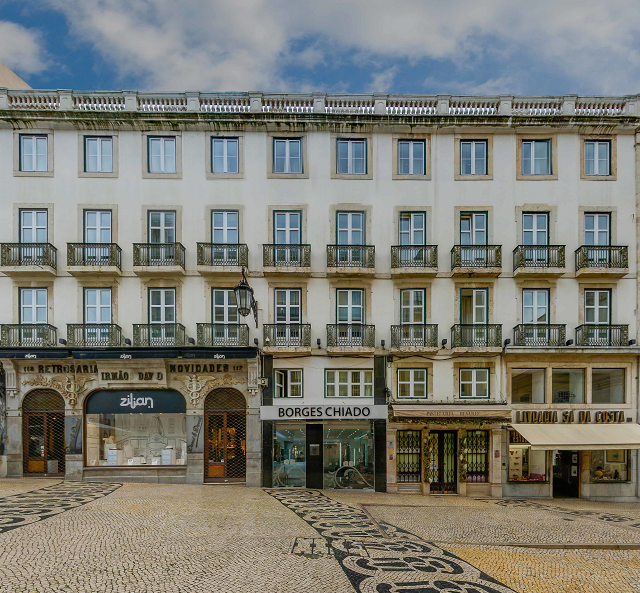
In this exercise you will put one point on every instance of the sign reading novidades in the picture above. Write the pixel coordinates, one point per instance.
(323, 412)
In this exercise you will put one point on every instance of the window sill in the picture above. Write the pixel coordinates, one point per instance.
(211, 175)
(460, 177)
(98, 174)
(32, 173)
(399, 176)
(598, 177)
(521, 177)
(148, 175)
(352, 176)
(272, 175)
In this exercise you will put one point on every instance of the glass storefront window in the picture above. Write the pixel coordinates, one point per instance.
(527, 386)
(567, 386)
(607, 386)
(611, 465)
(525, 465)
(289, 455)
(348, 455)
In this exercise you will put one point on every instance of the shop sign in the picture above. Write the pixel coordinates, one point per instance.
(206, 368)
(139, 401)
(570, 416)
(324, 412)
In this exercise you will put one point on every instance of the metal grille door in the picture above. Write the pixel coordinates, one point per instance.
(408, 459)
(226, 434)
(43, 432)
(442, 468)
(477, 456)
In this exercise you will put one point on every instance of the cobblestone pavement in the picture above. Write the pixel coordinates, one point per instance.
(139, 538)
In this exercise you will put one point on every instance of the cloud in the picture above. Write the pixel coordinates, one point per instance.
(593, 46)
(382, 82)
(21, 49)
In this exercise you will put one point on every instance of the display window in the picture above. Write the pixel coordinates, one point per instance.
(136, 427)
(611, 465)
(525, 465)
(289, 455)
(348, 455)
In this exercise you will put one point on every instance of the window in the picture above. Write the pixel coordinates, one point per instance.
(352, 157)
(350, 228)
(597, 229)
(536, 157)
(411, 157)
(162, 226)
(525, 465)
(412, 228)
(97, 226)
(287, 155)
(288, 383)
(349, 383)
(473, 228)
(535, 306)
(224, 227)
(98, 154)
(224, 155)
(33, 226)
(473, 306)
(535, 228)
(288, 308)
(528, 386)
(474, 383)
(412, 383)
(607, 386)
(412, 306)
(350, 303)
(567, 386)
(597, 157)
(225, 309)
(477, 454)
(162, 305)
(34, 153)
(597, 306)
(33, 305)
(162, 154)
(97, 305)
(473, 157)
(611, 465)
(287, 229)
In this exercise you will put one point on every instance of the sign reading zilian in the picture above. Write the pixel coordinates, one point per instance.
(127, 401)
(323, 412)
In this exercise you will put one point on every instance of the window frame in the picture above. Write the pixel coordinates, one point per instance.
(534, 228)
(411, 215)
(624, 386)
(98, 306)
(395, 157)
(368, 154)
(474, 382)
(226, 306)
(596, 230)
(225, 154)
(17, 153)
(34, 211)
(613, 160)
(100, 141)
(163, 306)
(473, 144)
(412, 383)
(412, 307)
(350, 383)
(164, 142)
(225, 227)
(457, 154)
(287, 228)
(596, 307)
(82, 137)
(474, 290)
(286, 383)
(350, 228)
(34, 289)
(288, 306)
(535, 306)
(552, 140)
(146, 155)
(412, 144)
(34, 156)
(163, 228)
(98, 228)
(350, 306)
(287, 158)
(473, 215)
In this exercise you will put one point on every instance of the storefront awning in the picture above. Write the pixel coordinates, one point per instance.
(455, 411)
(580, 437)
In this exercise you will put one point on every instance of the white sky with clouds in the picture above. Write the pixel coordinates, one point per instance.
(460, 47)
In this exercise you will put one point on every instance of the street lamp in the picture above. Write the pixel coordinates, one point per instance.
(244, 298)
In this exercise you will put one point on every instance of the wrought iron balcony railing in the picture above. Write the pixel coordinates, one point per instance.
(28, 254)
(598, 256)
(28, 335)
(94, 254)
(286, 256)
(602, 335)
(414, 335)
(539, 334)
(287, 335)
(414, 256)
(159, 334)
(476, 256)
(158, 254)
(466, 335)
(222, 334)
(94, 334)
(351, 256)
(217, 254)
(351, 334)
(538, 256)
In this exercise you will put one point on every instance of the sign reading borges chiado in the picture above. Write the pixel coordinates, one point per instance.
(323, 412)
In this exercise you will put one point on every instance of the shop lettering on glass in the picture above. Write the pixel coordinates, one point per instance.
(135, 402)
(126, 376)
(570, 416)
(205, 368)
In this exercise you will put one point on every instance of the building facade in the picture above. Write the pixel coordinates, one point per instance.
(446, 291)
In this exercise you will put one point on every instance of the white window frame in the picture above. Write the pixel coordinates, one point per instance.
(412, 144)
(473, 144)
(163, 307)
(34, 227)
(29, 162)
(533, 310)
(413, 382)
(475, 306)
(407, 237)
(99, 307)
(102, 224)
(228, 308)
(536, 228)
(287, 158)
(287, 306)
(163, 227)
(226, 227)
(350, 143)
(474, 227)
(596, 230)
(596, 307)
(363, 383)
(350, 228)
(225, 154)
(349, 306)
(411, 307)
(34, 306)
(475, 382)
(288, 228)
(532, 160)
(284, 380)
(596, 161)
(163, 142)
(101, 142)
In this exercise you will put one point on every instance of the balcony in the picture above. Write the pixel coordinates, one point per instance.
(414, 338)
(159, 334)
(603, 336)
(609, 261)
(414, 260)
(94, 258)
(347, 260)
(539, 334)
(90, 335)
(476, 260)
(538, 260)
(222, 334)
(158, 258)
(476, 337)
(286, 259)
(28, 258)
(217, 258)
(28, 335)
(349, 338)
(287, 337)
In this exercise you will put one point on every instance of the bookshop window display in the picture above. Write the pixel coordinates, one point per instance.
(525, 465)
(611, 465)
(136, 427)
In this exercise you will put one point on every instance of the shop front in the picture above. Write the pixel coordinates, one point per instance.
(326, 447)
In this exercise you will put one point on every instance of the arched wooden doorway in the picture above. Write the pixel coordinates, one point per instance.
(43, 432)
(225, 458)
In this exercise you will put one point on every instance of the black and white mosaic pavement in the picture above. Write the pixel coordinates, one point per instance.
(26, 508)
(381, 558)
